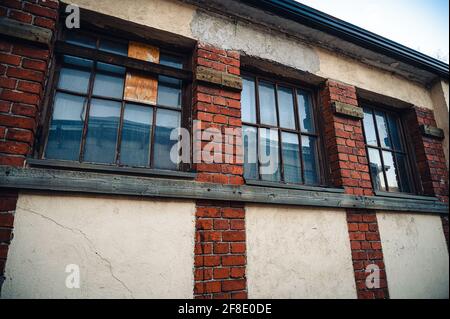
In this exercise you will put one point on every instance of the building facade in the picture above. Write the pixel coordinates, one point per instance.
(314, 161)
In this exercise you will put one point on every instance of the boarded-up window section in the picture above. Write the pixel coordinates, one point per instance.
(139, 87)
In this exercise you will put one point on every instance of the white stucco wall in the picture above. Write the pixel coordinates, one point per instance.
(125, 247)
(298, 253)
(415, 254)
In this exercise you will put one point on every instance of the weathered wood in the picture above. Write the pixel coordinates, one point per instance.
(103, 168)
(135, 64)
(223, 79)
(28, 32)
(431, 131)
(294, 186)
(348, 110)
(88, 182)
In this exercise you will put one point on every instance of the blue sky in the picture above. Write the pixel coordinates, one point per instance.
(422, 25)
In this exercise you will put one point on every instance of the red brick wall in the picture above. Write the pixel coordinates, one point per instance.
(366, 249)
(23, 74)
(430, 158)
(429, 154)
(344, 141)
(220, 249)
(348, 162)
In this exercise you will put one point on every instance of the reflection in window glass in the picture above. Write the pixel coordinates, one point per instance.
(166, 121)
(136, 131)
(395, 134)
(250, 139)
(114, 47)
(286, 107)
(66, 127)
(403, 173)
(309, 145)
(101, 136)
(109, 80)
(369, 128)
(81, 40)
(267, 103)
(74, 75)
(305, 112)
(169, 91)
(382, 129)
(376, 170)
(291, 158)
(94, 120)
(269, 156)
(248, 103)
(170, 60)
(391, 171)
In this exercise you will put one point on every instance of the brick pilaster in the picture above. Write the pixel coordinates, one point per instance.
(349, 168)
(430, 157)
(220, 249)
(366, 249)
(344, 141)
(23, 74)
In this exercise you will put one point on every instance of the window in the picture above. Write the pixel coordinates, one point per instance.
(278, 120)
(388, 160)
(106, 112)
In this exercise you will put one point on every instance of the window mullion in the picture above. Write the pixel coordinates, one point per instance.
(297, 123)
(280, 140)
(119, 133)
(152, 138)
(258, 121)
(87, 110)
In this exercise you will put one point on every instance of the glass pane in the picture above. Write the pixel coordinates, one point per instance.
(269, 155)
(382, 129)
(66, 128)
(114, 47)
(250, 152)
(169, 91)
(109, 80)
(369, 128)
(291, 158)
(268, 113)
(394, 130)
(102, 131)
(309, 145)
(376, 170)
(248, 100)
(305, 112)
(136, 130)
(166, 121)
(81, 40)
(403, 172)
(170, 60)
(391, 171)
(74, 75)
(286, 107)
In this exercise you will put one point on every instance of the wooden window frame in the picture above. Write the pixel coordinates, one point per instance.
(143, 67)
(412, 170)
(317, 124)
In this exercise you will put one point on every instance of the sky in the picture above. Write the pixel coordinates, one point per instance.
(422, 25)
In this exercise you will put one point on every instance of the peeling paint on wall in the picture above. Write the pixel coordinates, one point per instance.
(253, 41)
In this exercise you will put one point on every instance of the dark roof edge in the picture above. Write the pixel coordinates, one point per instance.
(347, 31)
